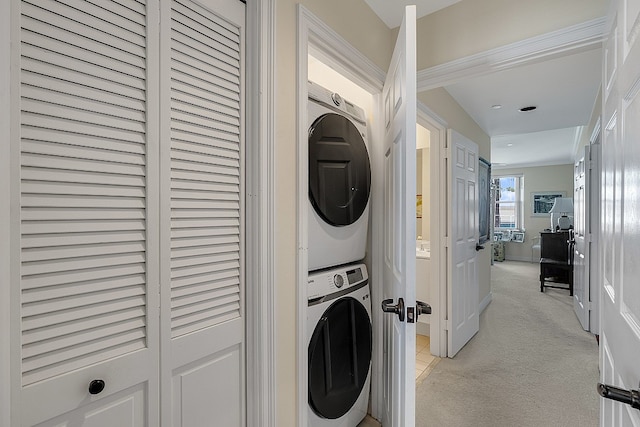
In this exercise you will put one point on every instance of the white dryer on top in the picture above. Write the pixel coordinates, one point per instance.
(339, 180)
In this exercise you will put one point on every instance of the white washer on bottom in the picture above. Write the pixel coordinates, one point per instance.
(340, 344)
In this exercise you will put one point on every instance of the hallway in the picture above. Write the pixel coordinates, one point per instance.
(531, 364)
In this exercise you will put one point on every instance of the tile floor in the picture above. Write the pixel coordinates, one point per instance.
(424, 360)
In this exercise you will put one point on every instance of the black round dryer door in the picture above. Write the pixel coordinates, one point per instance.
(339, 358)
(339, 170)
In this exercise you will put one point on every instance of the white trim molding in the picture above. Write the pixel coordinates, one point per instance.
(260, 195)
(576, 38)
(329, 47)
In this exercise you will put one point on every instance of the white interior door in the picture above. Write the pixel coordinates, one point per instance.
(399, 228)
(620, 244)
(586, 228)
(581, 293)
(463, 289)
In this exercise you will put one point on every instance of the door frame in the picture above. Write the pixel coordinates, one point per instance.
(314, 35)
(5, 212)
(260, 305)
(260, 218)
(438, 226)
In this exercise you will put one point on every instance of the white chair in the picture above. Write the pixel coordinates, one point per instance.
(535, 246)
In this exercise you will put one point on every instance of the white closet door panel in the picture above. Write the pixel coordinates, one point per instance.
(87, 289)
(200, 65)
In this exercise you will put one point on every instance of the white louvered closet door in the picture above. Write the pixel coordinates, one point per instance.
(89, 261)
(202, 270)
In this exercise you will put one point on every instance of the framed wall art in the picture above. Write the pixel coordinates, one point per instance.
(542, 201)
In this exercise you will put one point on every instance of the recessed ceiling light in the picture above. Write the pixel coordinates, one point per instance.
(509, 145)
(496, 107)
(529, 108)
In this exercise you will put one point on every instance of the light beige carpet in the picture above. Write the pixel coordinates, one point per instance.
(531, 364)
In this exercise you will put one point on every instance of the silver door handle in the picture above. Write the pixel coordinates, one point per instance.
(630, 397)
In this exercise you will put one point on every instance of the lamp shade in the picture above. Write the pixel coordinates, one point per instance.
(562, 205)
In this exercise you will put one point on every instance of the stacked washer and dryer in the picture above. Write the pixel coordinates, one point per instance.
(339, 302)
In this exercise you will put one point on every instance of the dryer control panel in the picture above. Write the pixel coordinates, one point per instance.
(327, 282)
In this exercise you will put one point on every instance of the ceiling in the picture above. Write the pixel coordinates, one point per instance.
(563, 89)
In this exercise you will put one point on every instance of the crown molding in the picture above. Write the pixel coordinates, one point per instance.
(567, 41)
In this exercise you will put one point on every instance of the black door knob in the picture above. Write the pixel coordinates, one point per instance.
(96, 386)
(422, 308)
(389, 307)
(630, 397)
(479, 247)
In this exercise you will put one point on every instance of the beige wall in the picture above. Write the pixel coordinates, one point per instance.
(544, 178)
(473, 26)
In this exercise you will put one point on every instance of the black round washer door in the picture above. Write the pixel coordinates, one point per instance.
(339, 358)
(339, 170)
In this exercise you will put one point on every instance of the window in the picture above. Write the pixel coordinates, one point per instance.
(508, 202)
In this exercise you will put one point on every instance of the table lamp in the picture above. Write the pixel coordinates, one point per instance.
(562, 208)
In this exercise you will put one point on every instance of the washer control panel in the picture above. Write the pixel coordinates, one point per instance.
(329, 281)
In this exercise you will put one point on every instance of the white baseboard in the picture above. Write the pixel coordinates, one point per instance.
(520, 258)
(485, 302)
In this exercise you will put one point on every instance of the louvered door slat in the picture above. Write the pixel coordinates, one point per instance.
(82, 14)
(68, 329)
(193, 13)
(83, 184)
(78, 140)
(95, 12)
(183, 88)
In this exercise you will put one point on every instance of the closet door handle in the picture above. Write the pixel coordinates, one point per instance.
(630, 397)
(479, 247)
(389, 307)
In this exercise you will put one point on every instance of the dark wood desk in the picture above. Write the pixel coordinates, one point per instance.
(556, 260)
